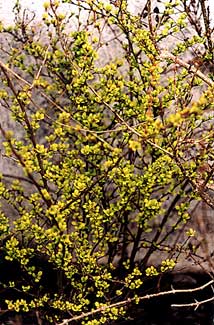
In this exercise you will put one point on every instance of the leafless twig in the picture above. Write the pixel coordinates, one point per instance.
(129, 300)
(195, 304)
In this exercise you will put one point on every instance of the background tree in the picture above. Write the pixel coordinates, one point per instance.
(110, 158)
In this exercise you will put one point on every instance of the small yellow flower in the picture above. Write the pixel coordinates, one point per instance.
(134, 145)
(191, 232)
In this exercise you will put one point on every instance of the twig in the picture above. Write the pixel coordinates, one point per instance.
(39, 320)
(195, 304)
(191, 68)
(5, 67)
(130, 128)
(129, 300)
(206, 19)
(40, 68)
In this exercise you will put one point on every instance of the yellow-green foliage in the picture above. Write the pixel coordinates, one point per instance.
(102, 150)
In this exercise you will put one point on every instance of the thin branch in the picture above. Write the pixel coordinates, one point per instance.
(207, 26)
(191, 68)
(22, 163)
(6, 68)
(129, 300)
(130, 128)
(151, 28)
(195, 304)
(40, 68)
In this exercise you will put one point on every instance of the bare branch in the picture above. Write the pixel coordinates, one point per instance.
(129, 300)
(195, 304)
